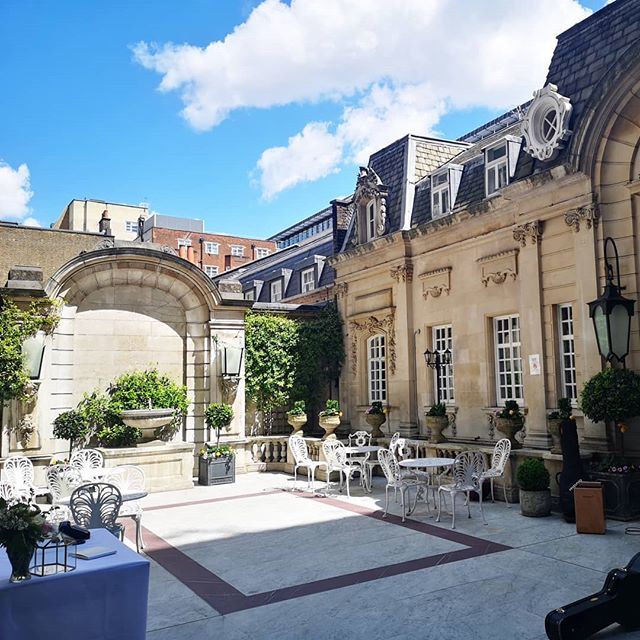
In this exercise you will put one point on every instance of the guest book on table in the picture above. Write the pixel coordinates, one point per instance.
(91, 553)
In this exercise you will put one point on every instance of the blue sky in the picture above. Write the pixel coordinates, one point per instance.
(274, 123)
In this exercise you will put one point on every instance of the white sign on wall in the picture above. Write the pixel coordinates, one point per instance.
(535, 368)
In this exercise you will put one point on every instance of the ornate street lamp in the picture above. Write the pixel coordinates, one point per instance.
(437, 360)
(611, 313)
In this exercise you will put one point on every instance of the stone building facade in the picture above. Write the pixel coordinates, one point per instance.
(492, 245)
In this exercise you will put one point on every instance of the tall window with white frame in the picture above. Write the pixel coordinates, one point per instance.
(370, 221)
(496, 174)
(506, 331)
(440, 202)
(307, 280)
(442, 339)
(276, 290)
(569, 386)
(377, 368)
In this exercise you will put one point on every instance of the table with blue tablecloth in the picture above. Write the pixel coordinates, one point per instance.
(102, 599)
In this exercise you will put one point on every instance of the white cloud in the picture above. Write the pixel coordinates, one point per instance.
(394, 65)
(15, 191)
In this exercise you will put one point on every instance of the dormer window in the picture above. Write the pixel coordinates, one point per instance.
(440, 197)
(370, 221)
(496, 172)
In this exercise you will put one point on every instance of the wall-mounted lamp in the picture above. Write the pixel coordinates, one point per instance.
(33, 350)
(231, 361)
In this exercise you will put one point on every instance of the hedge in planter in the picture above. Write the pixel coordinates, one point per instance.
(535, 496)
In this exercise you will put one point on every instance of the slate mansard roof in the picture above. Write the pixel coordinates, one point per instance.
(584, 56)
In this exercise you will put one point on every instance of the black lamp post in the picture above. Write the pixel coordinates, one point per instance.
(611, 314)
(437, 360)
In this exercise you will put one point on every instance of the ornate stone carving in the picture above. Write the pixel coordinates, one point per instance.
(371, 326)
(436, 282)
(230, 286)
(341, 289)
(169, 250)
(498, 277)
(229, 388)
(105, 243)
(23, 421)
(382, 216)
(589, 214)
(529, 230)
(498, 267)
(403, 272)
(369, 187)
(546, 124)
(436, 291)
(452, 414)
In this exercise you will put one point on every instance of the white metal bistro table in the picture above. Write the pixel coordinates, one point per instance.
(367, 450)
(430, 464)
(126, 496)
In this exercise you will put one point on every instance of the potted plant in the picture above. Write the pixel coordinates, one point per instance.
(535, 496)
(509, 421)
(70, 425)
(297, 417)
(330, 419)
(376, 416)
(555, 419)
(217, 462)
(437, 421)
(620, 480)
(22, 525)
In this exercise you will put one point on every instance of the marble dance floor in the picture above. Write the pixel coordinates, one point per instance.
(256, 560)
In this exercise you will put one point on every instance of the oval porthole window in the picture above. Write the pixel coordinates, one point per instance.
(549, 128)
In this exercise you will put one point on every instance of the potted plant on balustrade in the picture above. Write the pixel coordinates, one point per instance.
(376, 415)
(509, 421)
(330, 419)
(555, 419)
(437, 421)
(22, 525)
(535, 495)
(217, 462)
(297, 417)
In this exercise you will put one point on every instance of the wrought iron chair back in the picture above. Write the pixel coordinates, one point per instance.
(360, 439)
(467, 469)
(390, 467)
(62, 479)
(18, 471)
(127, 477)
(7, 492)
(500, 456)
(96, 505)
(334, 454)
(299, 450)
(86, 459)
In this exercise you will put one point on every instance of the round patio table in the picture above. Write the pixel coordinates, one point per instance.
(126, 496)
(430, 464)
(367, 450)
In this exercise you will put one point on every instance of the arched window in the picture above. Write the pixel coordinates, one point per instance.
(377, 368)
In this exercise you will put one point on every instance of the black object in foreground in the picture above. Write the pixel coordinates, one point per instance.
(75, 531)
(616, 602)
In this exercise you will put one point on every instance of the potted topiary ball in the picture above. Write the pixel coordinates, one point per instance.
(535, 496)
(555, 419)
(217, 462)
(297, 417)
(437, 421)
(330, 419)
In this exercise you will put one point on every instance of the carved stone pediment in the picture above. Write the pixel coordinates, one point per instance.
(589, 215)
(499, 267)
(436, 282)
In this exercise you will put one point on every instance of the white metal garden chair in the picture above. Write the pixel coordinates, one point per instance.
(301, 457)
(62, 479)
(18, 472)
(86, 461)
(337, 460)
(466, 472)
(499, 460)
(96, 506)
(8, 492)
(363, 439)
(395, 480)
(130, 478)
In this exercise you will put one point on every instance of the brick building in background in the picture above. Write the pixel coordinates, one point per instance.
(214, 253)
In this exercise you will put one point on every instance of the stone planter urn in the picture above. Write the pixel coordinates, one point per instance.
(509, 427)
(329, 424)
(297, 422)
(437, 424)
(553, 427)
(148, 420)
(375, 421)
(535, 504)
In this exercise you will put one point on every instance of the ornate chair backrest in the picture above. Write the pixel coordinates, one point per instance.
(500, 455)
(96, 505)
(334, 453)
(394, 439)
(299, 449)
(360, 439)
(85, 459)
(18, 471)
(399, 449)
(62, 479)
(390, 466)
(467, 468)
(7, 492)
(127, 477)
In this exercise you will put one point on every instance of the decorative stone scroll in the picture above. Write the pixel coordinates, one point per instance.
(170, 250)
(371, 326)
(589, 214)
(105, 243)
(529, 230)
(499, 267)
(369, 187)
(341, 289)
(402, 273)
(435, 283)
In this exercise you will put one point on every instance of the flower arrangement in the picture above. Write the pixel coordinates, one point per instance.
(616, 465)
(511, 411)
(437, 410)
(298, 409)
(563, 412)
(332, 408)
(215, 451)
(376, 409)
(22, 525)
(54, 461)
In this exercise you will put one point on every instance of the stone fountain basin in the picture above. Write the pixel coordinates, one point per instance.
(147, 420)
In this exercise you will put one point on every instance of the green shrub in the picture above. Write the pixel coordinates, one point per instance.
(119, 435)
(511, 411)
(332, 408)
(532, 475)
(563, 412)
(438, 409)
(71, 426)
(612, 394)
(299, 408)
(218, 416)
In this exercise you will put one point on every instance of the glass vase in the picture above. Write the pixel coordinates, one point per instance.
(20, 557)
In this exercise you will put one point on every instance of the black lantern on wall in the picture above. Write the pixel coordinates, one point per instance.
(33, 351)
(232, 361)
(437, 360)
(611, 313)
